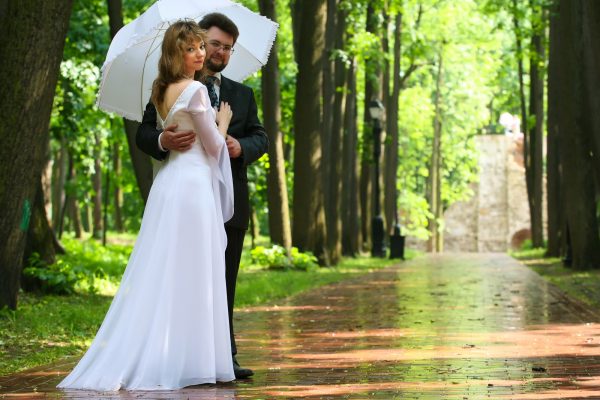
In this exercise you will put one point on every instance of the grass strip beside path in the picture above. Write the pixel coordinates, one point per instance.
(582, 285)
(46, 328)
(260, 286)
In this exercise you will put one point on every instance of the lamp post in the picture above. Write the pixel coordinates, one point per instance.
(376, 111)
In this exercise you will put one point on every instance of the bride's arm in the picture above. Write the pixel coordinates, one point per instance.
(204, 123)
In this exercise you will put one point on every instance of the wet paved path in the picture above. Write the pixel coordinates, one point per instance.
(470, 326)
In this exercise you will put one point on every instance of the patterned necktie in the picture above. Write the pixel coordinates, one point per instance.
(212, 94)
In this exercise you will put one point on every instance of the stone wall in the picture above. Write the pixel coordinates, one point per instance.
(460, 225)
(497, 216)
(492, 216)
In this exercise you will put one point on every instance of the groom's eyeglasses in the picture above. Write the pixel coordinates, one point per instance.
(227, 49)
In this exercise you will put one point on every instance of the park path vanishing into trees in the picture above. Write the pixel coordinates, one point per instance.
(451, 326)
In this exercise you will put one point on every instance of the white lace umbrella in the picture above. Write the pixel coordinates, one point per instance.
(131, 64)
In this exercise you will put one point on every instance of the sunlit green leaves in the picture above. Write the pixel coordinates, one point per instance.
(475, 81)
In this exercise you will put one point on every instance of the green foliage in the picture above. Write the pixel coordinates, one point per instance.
(527, 251)
(414, 214)
(46, 328)
(277, 257)
(76, 121)
(582, 285)
(60, 277)
(257, 189)
(527, 245)
(88, 267)
(288, 70)
(474, 79)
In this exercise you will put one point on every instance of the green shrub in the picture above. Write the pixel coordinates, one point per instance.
(276, 257)
(86, 267)
(303, 260)
(61, 277)
(527, 245)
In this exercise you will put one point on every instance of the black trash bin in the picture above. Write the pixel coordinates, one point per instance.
(397, 244)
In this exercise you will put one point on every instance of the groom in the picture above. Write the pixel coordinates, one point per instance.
(246, 143)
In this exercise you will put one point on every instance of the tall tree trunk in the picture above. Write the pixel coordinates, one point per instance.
(391, 149)
(70, 178)
(296, 13)
(254, 225)
(87, 218)
(59, 178)
(327, 121)
(334, 169)
(372, 92)
(26, 107)
(535, 165)
(521, 72)
(351, 233)
(385, 99)
(576, 140)
(309, 220)
(47, 187)
(70, 207)
(75, 217)
(117, 192)
(97, 186)
(365, 187)
(277, 195)
(40, 238)
(106, 196)
(434, 184)
(591, 40)
(524, 117)
(142, 166)
(556, 222)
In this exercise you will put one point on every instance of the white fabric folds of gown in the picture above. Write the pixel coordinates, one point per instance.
(167, 326)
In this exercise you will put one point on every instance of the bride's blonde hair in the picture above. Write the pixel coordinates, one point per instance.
(170, 65)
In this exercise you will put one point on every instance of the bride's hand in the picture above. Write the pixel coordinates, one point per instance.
(224, 116)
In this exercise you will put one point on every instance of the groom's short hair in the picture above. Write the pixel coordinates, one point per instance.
(222, 22)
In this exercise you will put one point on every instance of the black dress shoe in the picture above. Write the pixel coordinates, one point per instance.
(241, 373)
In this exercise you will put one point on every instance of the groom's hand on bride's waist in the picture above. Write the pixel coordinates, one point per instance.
(178, 141)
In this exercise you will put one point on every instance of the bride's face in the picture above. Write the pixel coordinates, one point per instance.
(193, 57)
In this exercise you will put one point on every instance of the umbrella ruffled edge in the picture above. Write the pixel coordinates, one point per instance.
(109, 108)
(274, 29)
(271, 41)
(133, 43)
(122, 113)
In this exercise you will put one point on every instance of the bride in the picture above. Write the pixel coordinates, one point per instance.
(167, 326)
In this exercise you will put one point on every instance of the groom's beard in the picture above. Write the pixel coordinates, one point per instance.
(215, 66)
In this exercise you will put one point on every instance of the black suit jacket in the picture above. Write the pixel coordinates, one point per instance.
(245, 127)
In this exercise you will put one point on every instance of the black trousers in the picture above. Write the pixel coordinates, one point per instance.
(233, 254)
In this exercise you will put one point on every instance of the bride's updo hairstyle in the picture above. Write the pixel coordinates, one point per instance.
(170, 65)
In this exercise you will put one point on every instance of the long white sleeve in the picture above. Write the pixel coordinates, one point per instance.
(203, 118)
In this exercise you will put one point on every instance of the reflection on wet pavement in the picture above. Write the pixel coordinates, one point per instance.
(456, 326)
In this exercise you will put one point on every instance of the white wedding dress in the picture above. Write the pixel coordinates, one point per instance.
(167, 326)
